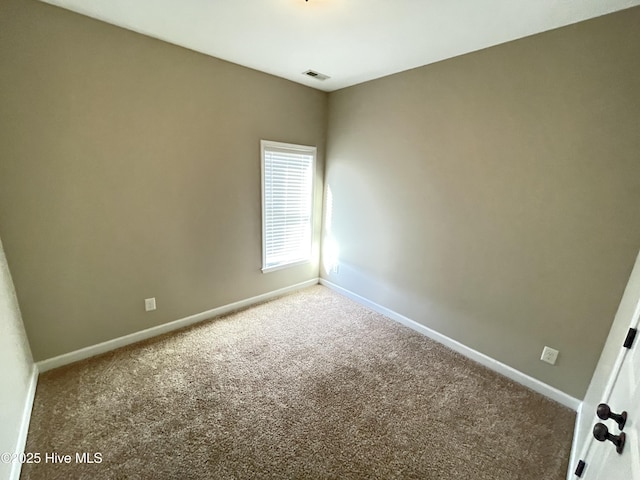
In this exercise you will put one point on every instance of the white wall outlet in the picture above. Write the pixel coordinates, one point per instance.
(150, 304)
(335, 269)
(549, 355)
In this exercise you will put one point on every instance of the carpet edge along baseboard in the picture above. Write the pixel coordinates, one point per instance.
(503, 369)
(109, 345)
(489, 362)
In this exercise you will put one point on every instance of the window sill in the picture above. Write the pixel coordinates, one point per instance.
(285, 265)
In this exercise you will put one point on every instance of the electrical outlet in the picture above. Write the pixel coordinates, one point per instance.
(549, 355)
(335, 269)
(150, 304)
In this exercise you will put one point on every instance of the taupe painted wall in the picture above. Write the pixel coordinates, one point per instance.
(16, 368)
(130, 168)
(495, 197)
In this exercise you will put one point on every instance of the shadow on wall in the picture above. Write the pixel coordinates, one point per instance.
(17, 373)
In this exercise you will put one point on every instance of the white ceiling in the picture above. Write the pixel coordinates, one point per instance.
(351, 41)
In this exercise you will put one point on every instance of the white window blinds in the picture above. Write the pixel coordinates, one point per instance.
(287, 203)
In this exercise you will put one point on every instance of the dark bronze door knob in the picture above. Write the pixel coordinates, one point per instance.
(601, 433)
(604, 412)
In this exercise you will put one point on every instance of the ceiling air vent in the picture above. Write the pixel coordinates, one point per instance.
(316, 75)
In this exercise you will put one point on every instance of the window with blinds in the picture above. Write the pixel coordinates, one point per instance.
(287, 203)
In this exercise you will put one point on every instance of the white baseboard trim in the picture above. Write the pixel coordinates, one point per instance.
(24, 424)
(499, 367)
(109, 345)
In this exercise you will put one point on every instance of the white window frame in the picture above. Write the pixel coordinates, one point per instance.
(266, 146)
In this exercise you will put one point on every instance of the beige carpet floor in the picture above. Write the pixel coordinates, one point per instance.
(310, 385)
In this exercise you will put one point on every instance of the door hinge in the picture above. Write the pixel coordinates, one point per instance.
(631, 335)
(580, 468)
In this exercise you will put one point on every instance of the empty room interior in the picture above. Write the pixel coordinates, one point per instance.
(442, 291)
